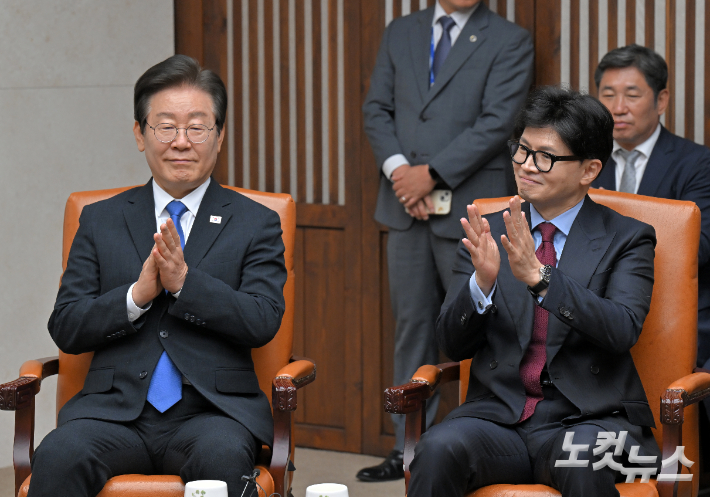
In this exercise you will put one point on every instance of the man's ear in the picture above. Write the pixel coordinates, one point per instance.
(662, 101)
(220, 139)
(592, 168)
(140, 139)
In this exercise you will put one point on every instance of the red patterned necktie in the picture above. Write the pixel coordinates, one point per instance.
(536, 355)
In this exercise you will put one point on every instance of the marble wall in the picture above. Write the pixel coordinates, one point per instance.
(67, 69)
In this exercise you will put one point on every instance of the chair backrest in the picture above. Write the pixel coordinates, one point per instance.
(667, 348)
(267, 359)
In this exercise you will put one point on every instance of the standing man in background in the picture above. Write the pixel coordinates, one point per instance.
(443, 96)
(650, 160)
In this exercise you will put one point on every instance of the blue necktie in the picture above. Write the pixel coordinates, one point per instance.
(165, 388)
(444, 46)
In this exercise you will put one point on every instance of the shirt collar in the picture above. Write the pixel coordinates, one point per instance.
(460, 17)
(646, 147)
(563, 222)
(192, 200)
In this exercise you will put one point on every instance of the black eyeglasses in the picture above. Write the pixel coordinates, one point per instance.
(543, 160)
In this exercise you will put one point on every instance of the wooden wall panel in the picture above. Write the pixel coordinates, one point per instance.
(674, 28)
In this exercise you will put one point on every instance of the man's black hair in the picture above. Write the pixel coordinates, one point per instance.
(176, 71)
(582, 121)
(651, 65)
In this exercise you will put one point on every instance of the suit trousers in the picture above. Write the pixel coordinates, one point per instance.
(463, 454)
(192, 439)
(419, 264)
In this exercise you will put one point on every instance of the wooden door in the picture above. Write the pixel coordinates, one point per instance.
(293, 126)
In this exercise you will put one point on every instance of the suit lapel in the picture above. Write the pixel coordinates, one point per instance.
(657, 165)
(515, 295)
(461, 51)
(203, 232)
(139, 213)
(585, 247)
(420, 45)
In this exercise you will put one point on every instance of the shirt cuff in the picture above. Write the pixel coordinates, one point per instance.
(176, 294)
(480, 301)
(393, 163)
(134, 312)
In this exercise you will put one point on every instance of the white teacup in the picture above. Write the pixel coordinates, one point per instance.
(327, 490)
(206, 488)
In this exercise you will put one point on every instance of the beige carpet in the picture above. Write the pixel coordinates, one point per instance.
(313, 466)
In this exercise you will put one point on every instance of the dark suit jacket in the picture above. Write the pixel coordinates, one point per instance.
(598, 299)
(679, 169)
(232, 300)
(458, 126)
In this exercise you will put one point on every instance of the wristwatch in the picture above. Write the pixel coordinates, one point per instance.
(545, 272)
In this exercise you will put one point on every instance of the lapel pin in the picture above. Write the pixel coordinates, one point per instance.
(473, 38)
(216, 219)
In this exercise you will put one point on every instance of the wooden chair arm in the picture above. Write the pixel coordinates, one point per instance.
(681, 393)
(408, 398)
(299, 373)
(19, 396)
(40, 368)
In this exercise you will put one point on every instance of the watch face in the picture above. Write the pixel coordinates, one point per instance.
(545, 273)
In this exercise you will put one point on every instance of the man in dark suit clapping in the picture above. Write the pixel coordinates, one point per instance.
(170, 285)
(547, 299)
(444, 92)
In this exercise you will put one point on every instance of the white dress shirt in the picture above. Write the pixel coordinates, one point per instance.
(161, 199)
(645, 148)
(563, 223)
(460, 18)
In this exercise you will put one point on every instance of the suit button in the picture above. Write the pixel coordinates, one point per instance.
(463, 319)
(143, 374)
(494, 309)
(414, 154)
(594, 370)
(192, 319)
(187, 317)
(163, 334)
(493, 364)
(480, 304)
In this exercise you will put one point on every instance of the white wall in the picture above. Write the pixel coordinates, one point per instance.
(67, 69)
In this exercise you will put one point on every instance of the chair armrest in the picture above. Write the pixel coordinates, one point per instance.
(680, 394)
(18, 394)
(40, 368)
(297, 374)
(408, 398)
(289, 379)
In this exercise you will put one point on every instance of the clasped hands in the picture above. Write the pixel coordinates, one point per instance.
(412, 185)
(164, 269)
(519, 244)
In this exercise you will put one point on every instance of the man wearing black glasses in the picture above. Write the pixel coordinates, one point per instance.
(547, 298)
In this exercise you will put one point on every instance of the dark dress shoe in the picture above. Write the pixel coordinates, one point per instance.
(392, 468)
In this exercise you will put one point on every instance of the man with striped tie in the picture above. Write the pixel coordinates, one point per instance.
(547, 298)
(170, 285)
(650, 160)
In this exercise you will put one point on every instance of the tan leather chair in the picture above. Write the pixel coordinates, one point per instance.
(279, 375)
(664, 355)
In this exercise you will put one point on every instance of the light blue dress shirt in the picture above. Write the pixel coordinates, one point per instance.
(563, 222)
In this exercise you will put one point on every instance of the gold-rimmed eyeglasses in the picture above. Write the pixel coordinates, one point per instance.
(166, 132)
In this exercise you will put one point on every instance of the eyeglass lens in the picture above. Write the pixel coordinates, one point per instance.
(197, 133)
(519, 153)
